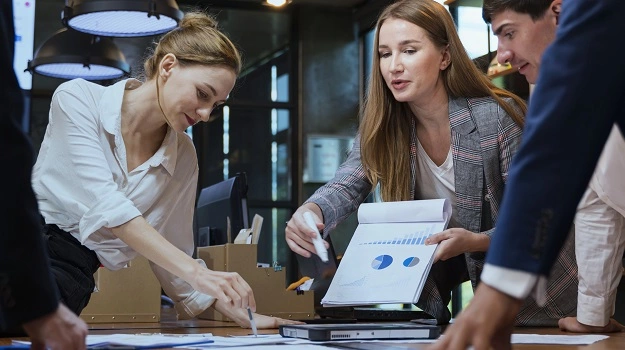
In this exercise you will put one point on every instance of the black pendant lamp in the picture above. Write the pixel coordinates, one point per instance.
(70, 54)
(128, 18)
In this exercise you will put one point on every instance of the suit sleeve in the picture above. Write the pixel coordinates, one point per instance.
(27, 289)
(572, 110)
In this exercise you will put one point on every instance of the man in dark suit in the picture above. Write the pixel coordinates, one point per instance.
(28, 295)
(573, 108)
(524, 32)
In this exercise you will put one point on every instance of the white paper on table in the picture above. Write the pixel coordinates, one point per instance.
(237, 341)
(583, 339)
(538, 339)
(282, 347)
(141, 340)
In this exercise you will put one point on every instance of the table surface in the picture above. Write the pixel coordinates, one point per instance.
(169, 324)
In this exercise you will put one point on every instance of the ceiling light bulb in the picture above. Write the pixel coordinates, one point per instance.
(276, 3)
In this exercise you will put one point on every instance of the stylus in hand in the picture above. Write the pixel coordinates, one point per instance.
(317, 241)
(252, 322)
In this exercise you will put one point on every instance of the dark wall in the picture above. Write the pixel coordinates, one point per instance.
(330, 67)
(330, 76)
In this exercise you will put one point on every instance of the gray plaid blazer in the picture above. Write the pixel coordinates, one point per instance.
(483, 140)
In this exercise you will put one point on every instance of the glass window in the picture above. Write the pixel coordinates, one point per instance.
(280, 85)
(474, 32)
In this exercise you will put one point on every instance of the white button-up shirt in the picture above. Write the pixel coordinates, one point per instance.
(83, 185)
(600, 235)
(599, 243)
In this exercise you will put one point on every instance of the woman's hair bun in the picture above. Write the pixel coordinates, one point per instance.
(197, 19)
(197, 40)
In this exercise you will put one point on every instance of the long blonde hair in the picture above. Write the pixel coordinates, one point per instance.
(385, 125)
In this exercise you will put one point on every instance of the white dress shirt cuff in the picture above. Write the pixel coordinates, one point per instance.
(594, 310)
(516, 283)
(193, 305)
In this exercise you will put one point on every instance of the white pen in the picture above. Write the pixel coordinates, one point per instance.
(252, 322)
(317, 241)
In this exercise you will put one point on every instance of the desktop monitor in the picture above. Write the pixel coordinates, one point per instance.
(217, 203)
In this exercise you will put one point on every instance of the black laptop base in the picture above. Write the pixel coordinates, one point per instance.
(365, 313)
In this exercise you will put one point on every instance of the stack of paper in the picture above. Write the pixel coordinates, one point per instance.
(387, 261)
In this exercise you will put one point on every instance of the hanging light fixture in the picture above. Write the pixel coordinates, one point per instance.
(69, 54)
(277, 3)
(127, 18)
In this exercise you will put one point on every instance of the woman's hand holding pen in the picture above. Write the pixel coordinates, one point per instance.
(455, 241)
(299, 235)
(227, 287)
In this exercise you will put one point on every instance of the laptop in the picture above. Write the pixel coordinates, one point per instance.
(371, 314)
(378, 331)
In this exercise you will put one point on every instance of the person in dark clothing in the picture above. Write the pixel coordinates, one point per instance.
(572, 112)
(28, 295)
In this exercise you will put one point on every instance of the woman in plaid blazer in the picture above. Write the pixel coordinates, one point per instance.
(432, 114)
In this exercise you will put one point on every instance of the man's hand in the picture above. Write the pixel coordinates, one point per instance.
(60, 330)
(486, 323)
(571, 324)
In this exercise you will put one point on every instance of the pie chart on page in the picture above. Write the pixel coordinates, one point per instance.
(381, 262)
(411, 261)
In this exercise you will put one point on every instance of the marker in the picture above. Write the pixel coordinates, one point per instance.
(252, 322)
(317, 241)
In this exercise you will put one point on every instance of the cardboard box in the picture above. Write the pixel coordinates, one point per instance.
(268, 284)
(132, 294)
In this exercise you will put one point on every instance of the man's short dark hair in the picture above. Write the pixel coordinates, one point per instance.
(535, 8)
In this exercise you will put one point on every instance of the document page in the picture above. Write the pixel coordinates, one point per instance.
(387, 262)
(430, 210)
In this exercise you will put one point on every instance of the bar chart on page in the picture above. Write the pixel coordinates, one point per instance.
(416, 238)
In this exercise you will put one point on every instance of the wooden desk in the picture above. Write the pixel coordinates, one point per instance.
(169, 324)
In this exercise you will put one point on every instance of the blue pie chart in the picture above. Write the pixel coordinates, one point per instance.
(381, 262)
(411, 261)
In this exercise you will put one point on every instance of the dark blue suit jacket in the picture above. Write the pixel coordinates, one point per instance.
(579, 95)
(27, 289)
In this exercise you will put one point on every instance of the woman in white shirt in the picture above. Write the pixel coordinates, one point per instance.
(116, 176)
